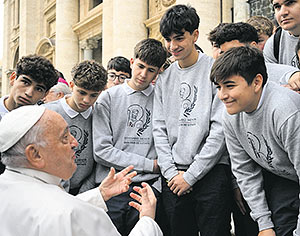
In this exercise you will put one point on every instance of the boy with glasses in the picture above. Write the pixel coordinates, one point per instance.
(118, 70)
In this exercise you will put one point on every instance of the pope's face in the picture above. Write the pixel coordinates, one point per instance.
(58, 153)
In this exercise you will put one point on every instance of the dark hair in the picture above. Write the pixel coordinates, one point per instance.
(119, 63)
(243, 32)
(150, 51)
(179, 18)
(38, 68)
(243, 61)
(297, 48)
(212, 34)
(89, 75)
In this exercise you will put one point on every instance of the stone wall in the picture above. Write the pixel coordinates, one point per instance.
(261, 8)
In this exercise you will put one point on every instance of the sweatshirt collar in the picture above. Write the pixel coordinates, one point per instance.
(72, 113)
(130, 90)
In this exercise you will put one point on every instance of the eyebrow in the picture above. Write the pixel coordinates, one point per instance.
(65, 132)
(30, 80)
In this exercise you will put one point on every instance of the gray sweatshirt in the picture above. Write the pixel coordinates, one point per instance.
(80, 125)
(267, 138)
(280, 73)
(122, 129)
(187, 125)
(287, 46)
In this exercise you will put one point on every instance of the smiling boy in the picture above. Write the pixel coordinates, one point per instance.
(88, 81)
(123, 130)
(261, 128)
(188, 133)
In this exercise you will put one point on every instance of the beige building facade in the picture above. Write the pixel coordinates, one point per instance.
(69, 31)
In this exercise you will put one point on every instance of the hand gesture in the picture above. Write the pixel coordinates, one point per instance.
(115, 184)
(146, 200)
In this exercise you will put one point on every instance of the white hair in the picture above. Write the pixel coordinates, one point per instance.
(61, 87)
(15, 156)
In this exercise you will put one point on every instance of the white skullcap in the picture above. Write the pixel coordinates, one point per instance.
(15, 124)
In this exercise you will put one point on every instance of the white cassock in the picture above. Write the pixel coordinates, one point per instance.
(32, 204)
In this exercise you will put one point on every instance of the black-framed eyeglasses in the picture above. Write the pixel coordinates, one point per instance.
(121, 78)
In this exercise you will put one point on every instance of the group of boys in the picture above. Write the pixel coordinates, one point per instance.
(178, 135)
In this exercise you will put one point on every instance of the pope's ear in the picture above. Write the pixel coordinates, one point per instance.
(33, 156)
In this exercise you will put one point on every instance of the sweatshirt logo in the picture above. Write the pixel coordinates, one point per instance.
(260, 148)
(188, 98)
(138, 117)
(82, 137)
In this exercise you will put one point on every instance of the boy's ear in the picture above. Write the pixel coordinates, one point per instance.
(131, 62)
(12, 78)
(71, 83)
(33, 156)
(257, 82)
(196, 35)
(253, 44)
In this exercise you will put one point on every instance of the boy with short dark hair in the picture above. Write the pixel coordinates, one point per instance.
(261, 127)
(33, 78)
(118, 70)
(122, 128)
(88, 81)
(188, 134)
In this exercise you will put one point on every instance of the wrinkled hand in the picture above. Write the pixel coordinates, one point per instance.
(178, 185)
(146, 200)
(294, 82)
(267, 232)
(239, 200)
(115, 184)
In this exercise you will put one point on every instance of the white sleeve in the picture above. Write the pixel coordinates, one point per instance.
(146, 227)
(93, 197)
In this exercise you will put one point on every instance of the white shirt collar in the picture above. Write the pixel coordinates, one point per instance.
(130, 90)
(37, 175)
(72, 113)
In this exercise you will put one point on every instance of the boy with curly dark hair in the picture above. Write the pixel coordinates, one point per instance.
(88, 81)
(34, 76)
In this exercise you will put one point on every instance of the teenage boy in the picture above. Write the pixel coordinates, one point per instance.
(188, 133)
(33, 78)
(287, 14)
(88, 81)
(241, 34)
(261, 127)
(118, 70)
(123, 130)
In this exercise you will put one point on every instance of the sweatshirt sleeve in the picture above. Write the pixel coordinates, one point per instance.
(269, 51)
(290, 135)
(249, 178)
(213, 148)
(160, 134)
(105, 152)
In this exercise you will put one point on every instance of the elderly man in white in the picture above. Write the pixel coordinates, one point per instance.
(38, 151)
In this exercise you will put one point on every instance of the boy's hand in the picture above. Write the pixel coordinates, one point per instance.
(267, 232)
(178, 185)
(238, 197)
(115, 184)
(146, 201)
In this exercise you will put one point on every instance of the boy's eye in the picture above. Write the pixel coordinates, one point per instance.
(41, 90)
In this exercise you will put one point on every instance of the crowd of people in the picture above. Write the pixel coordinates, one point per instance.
(171, 142)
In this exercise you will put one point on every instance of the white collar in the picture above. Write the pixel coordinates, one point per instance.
(147, 91)
(72, 113)
(36, 174)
